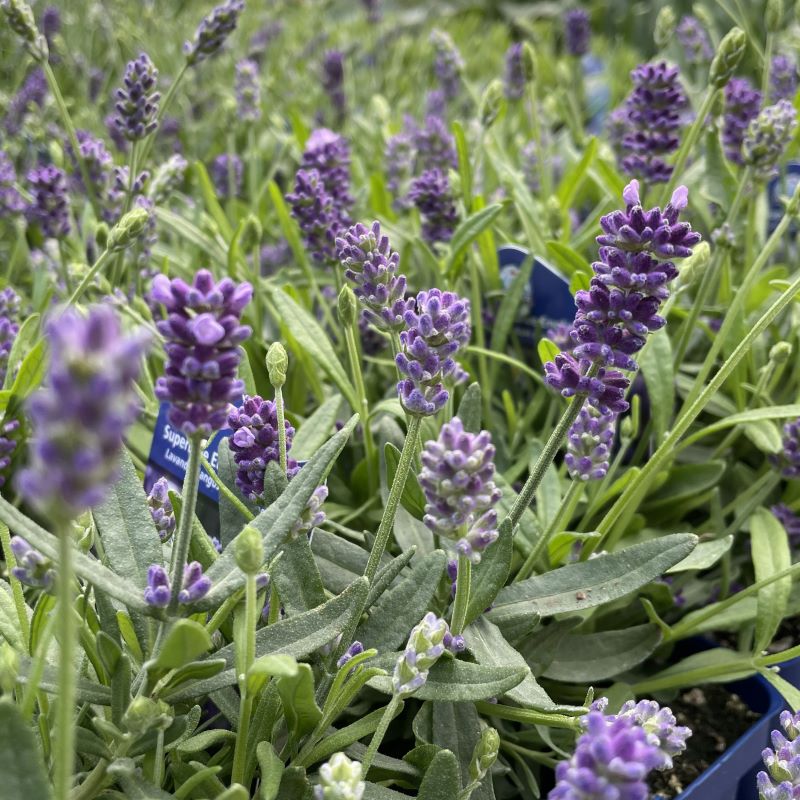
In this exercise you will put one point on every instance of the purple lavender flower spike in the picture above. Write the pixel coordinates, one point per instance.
(137, 100)
(661, 727)
(313, 209)
(781, 781)
(448, 64)
(457, 479)
(782, 78)
(333, 82)
(426, 645)
(694, 40)
(212, 31)
(50, 206)
(8, 444)
(435, 103)
(203, 333)
(248, 90)
(790, 522)
(589, 444)
(97, 79)
(33, 569)
(157, 593)
(577, 32)
(11, 201)
(161, 509)
(100, 168)
(435, 331)
(435, 145)
(767, 138)
(355, 649)
(431, 194)
(620, 308)
(9, 327)
(81, 415)
(742, 102)
(254, 444)
(116, 133)
(329, 154)
(32, 93)
(51, 23)
(514, 79)
(654, 117)
(226, 173)
(399, 158)
(611, 760)
(195, 585)
(313, 516)
(261, 39)
(370, 265)
(788, 460)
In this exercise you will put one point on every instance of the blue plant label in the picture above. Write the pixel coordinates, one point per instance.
(170, 452)
(782, 185)
(548, 299)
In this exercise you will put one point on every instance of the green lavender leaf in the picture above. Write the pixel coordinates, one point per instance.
(21, 763)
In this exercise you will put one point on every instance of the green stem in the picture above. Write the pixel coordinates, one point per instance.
(65, 738)
(358, 380)
(246, 702)
(393, 501)
(279, 411)
(180, 545)
(542, 162)
(639, 485)
(95, 781)
(380, 732)
(476, 306)
(103, 259)
(767, 65)
(563, 515)
(37, 669)
(258, 299)
(527, 715)
(16, 586)
(688, 143)
(461, 602)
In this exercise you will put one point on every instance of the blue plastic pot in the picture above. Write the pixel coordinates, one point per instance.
(733, 775)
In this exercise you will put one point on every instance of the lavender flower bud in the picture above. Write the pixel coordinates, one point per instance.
(457, 479)
(696, 45)
(248, 90)
(203, 333)
(347, 307)
(32, 569)
(782, 762)
(782, 78)
(157, 592)
(448, 64)
(313, 516)
(254, 444)
(194, 585)
(329, 154)
(370, 265)
(11, 201)
(137, 99)
(313, 209)
(491, 103)
(426, 644)
(431, 194)
(774, 16)
(20, 19)
(515, 75)
(589, 443)
(664, 27)
(167, 178)
(612, 759)
(277, 364)
(767, 138)
(742, 103)
(355, 649)
(226, 175)
(340, 779)
(129, 229)
(727, 58)
(212, 31)
(577, 32)
(161, 509)
(82, 413)
(485, 754)
(435, 331)
(333, 82)
(50, 206)
(661, 728)
(248, 549)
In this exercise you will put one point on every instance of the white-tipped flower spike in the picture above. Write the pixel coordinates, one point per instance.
(340, 779)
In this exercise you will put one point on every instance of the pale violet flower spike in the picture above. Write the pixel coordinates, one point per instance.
(340, 779)
(781, 781)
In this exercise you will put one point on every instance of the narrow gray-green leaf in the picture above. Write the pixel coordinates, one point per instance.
(469, 230)
(441, 781)
(21, 765)
(656, 365)
(705, 555)
(297, 577)
(771, 554)
(490, 575)
(314, 431)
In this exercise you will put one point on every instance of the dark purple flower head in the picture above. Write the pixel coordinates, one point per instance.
(355, 649)
(612, 760)
(789, 520)
(654, 118)
(33, 569)
(605, 390)
(577, 32)
(329, 154)
(589, 443)
(137, 100)
(742, 103)
(767, 138)
(448, 64)
(457, 479)
(50, 205)
(9, 327)
(514, 83)
(158, 591)
(32, 93)
(212, 31)
(313, 209)
(431, 194)
(51, 23)
(161, 509)
(194, 585)
(435, 145)
(436, 329)
(116, 133)
(203, 332)
(371, 267)
(11, 201)
(8, 444)
(248, 90)
(226, 175)
(254, 444)
(694, 40)
(82, 412)
(782, 78)
(788, 460)
(781, 781)
(333, 82)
